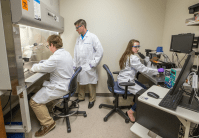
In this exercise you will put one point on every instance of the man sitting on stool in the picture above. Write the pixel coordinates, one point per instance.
(60, 67)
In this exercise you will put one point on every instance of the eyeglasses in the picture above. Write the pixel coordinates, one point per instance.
(47, 46)
(138, 46)
(78, 27)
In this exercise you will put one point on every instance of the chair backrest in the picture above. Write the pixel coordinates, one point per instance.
(110, 81)
(73, 81)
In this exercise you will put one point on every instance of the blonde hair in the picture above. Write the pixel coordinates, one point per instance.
(127, 53)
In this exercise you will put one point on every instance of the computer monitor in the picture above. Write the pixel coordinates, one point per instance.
(186, 69)
(182, 43)
(187, 101)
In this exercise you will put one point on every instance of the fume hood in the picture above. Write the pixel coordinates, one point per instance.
(24, 28)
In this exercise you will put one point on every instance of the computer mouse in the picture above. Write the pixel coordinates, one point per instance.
(152, 94)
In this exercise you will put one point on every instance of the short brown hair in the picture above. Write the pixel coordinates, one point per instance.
(55, 40)
(80, 22)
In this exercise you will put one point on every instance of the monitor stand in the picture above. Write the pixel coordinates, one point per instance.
(190, 102)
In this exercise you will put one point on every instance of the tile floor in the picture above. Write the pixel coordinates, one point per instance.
(91, 126)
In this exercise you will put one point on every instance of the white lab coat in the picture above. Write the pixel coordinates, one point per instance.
(129, 73)
(87, 51)
(60, 67)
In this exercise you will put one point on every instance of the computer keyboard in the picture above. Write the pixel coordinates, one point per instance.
(171, 101)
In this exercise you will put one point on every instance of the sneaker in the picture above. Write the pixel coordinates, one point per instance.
(44, 130)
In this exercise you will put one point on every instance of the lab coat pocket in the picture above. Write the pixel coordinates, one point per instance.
(50, 86)
(92, 74)
(86, 67)
(91, 71)
(61, 87)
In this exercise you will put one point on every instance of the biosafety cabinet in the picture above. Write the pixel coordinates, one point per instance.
(24, 28)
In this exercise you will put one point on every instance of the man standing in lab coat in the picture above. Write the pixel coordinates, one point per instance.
(87, 54)
(60, 67)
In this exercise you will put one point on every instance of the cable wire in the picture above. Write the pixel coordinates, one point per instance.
(169, 60)
(185, 91)
(178, 61)
(172, 57)
(183, 58)
(7, 101)
(10, 109)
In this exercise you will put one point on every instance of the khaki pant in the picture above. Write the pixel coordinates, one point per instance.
(41, 112)
(82, 90)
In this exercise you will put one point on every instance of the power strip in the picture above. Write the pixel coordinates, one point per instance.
(195, 81)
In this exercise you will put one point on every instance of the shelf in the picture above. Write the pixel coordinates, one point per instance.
(192, 24)
(141, 131)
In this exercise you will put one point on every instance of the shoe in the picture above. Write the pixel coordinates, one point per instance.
(130, 117)
(77, 100)
(91, 104)
(44, 130)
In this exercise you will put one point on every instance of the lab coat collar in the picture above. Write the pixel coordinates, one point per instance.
(86, 35)
(82, 36)
(58, 50)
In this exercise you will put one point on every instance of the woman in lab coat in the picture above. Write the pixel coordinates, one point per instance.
(60, 67)
(130, 64)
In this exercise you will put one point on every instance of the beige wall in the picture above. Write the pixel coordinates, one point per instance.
(115, 22)
(176, 14)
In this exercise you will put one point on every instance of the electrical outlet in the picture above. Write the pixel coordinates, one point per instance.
(195, 81)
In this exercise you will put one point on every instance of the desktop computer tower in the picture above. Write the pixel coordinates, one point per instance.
(158, 121)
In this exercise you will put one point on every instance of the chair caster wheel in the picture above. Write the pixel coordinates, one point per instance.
(85, 115)
(105, 119)
(100, 106)
(73, 104)
(126, 120)
(69, 130)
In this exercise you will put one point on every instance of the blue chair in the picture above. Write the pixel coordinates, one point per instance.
(117, 91)
(65, 111)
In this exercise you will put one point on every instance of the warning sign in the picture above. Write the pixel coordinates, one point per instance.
(25, 4)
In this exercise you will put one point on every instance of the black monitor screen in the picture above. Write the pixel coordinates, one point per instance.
(182, 43)
(184, 72)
